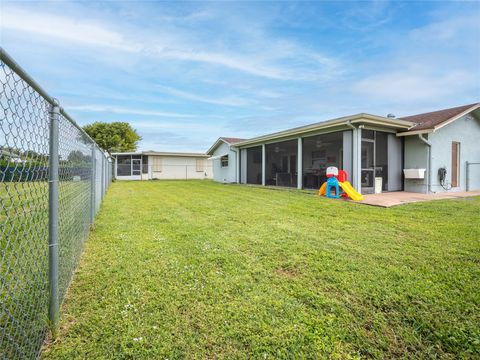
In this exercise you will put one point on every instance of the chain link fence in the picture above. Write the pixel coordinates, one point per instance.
(53, 177)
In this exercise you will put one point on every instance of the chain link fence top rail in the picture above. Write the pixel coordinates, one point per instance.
(31, 217)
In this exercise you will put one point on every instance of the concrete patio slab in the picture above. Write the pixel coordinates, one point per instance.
(402, 197)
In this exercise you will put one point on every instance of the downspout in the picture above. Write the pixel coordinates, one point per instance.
(355, 165)
(429, 160)
(237, 163)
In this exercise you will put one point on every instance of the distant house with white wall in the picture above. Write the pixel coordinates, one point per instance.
(430, 152)
(223, 154)
(156, 165)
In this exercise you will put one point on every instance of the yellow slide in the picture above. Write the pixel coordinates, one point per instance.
(322, 190)
(349, 190)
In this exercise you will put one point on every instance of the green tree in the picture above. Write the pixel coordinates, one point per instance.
(76, 157)
(114, 137)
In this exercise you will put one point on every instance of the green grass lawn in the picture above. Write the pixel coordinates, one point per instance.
(201, 270)
(24, 258)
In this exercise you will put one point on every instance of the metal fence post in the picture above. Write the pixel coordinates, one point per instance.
(466, 177)
(53, 203)
(92, 186)
(102, 174)
(105, 178)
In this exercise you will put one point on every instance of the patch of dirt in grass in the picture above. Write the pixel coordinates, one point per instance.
(288, 273)
(67, 322)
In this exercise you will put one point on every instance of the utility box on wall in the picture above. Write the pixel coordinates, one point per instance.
(414, 173)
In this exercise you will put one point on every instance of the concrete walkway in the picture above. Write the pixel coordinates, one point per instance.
(401, 197)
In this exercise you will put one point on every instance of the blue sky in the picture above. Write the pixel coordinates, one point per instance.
(185, 73)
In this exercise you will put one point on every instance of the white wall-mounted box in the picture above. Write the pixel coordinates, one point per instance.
(414, 173)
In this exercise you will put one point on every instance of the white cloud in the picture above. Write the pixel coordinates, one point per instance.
(411, 86)
(173, 43)
(122, 110)
(197, 126)
(366, 16)
(61, 27)
(229, 101)
(228, 60)
(433, 65)
(455, 28)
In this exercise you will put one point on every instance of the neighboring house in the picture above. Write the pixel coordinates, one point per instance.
(11, 157)
(224, 157)
(382, 153)
(148, 165)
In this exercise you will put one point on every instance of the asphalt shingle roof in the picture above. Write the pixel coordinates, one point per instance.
(434, 118)
(231, 140)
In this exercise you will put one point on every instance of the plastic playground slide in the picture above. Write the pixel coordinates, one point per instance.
(322, 190)
(347, 188)
(338, 179)
(350, 191)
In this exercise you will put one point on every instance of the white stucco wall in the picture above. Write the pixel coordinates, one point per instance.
(243, 166)
(466, 131)
(225, 174)
(416, 157)
(179, 168)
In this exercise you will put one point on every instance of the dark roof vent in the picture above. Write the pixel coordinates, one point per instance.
(391, 116)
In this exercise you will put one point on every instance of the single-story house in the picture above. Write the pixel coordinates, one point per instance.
(431, 152)
(148, 165)
(224, 156)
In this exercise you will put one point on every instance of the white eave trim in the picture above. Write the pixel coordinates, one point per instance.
(167, 154)
(353, 119)
(159, 153)
(127, 153)
(216, 157)
(416, 132)
(215, 145)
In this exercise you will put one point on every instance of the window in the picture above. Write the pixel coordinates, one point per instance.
(145, 164)
(157, 163)
(224, 161)
(200, 165)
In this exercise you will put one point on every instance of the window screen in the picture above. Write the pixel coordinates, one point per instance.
(124, 165)
(224, 160)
